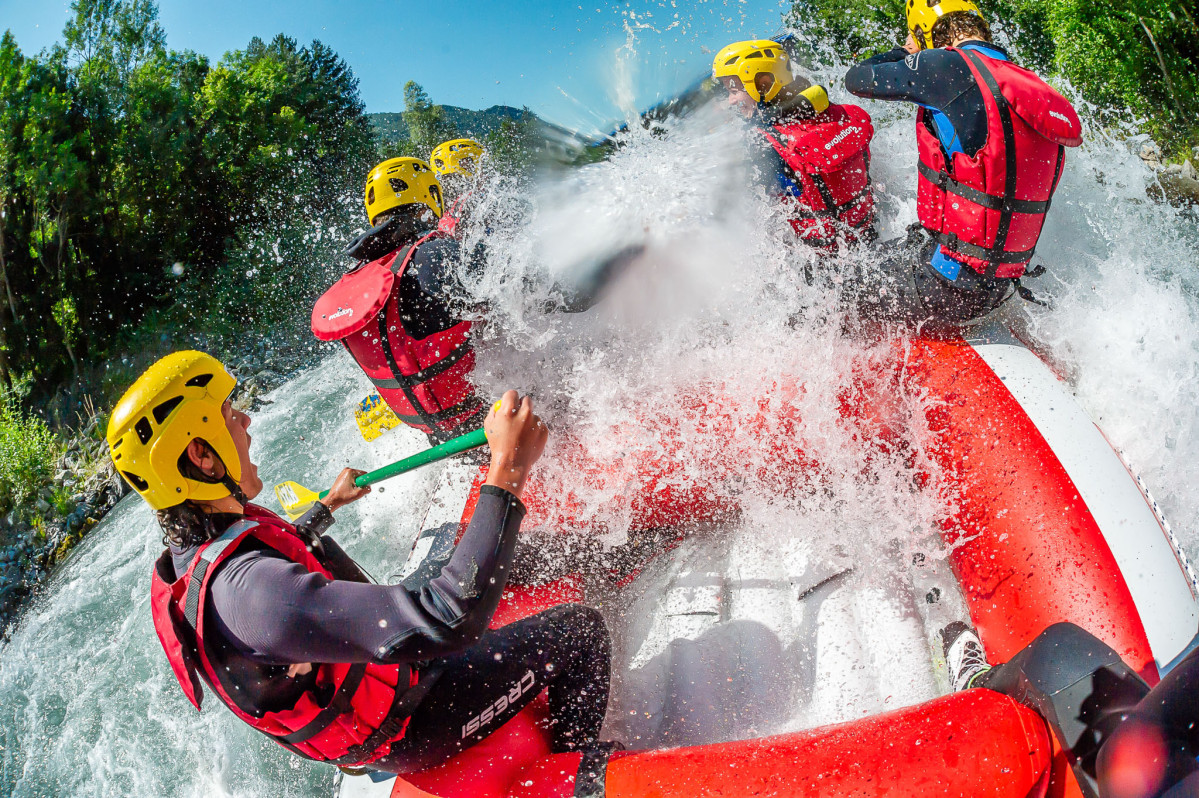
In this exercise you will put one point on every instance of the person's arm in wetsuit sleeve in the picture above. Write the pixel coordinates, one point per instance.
(938, 79)
(581, 293)
(279, 613)
(433, 298)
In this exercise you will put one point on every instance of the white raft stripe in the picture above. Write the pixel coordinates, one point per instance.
(1159, 587)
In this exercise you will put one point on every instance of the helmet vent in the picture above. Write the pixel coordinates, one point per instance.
(136, 481)
(143, 429)
(370, 196)
(198, 381)
(163, 410)
(435, 194)
(397, 185)
(753, 55)
(732, 60)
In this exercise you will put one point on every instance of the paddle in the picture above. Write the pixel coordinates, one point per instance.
(296, 499)
(374, 417)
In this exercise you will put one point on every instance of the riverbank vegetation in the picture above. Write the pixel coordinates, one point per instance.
(1124, 56)
(152, 200)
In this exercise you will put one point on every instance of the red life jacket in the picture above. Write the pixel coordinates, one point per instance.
(828, 157)
(346, 714)
(426, 381)
(451, 220)
(987, 210)
(448, 223)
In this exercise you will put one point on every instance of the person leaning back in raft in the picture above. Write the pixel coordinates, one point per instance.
(819, 152)
(460, 168)
(288, 632)
(401, 309)
(991, 137)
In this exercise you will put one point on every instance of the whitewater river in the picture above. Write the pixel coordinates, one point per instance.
(88, 706)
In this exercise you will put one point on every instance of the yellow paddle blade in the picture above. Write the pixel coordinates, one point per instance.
(295, 499)
(374, 417)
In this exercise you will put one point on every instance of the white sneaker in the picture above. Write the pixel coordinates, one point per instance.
(964, 655)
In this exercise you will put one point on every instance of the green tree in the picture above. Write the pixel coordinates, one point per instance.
(513, 146)
(427, 123)
(1120, 54)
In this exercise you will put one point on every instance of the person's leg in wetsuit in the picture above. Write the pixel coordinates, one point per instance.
(566, 650)
(905, 288)
(1153, 752)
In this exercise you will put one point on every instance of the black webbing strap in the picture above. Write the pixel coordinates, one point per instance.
(1009, 157)
(423, 416)
(992, 255)
(425, 374)
(338, 706)
(470, 405)
(831, 209)
(407, 382)
(826, 194)
(593, 770)
(403, 705)
(991, 202)
(1057, 174)
(211, 553)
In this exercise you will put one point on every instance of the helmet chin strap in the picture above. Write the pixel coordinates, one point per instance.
(234, 489)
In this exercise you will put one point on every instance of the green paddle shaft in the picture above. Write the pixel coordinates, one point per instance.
(472, 440)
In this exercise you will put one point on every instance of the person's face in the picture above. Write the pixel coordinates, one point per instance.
(738, 98)
(239, 425)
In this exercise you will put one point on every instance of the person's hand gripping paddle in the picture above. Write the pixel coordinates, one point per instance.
(517, 434)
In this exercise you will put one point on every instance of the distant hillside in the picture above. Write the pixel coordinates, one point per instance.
(554, 143)
(475, 124)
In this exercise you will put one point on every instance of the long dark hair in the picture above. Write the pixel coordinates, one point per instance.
(187, 524)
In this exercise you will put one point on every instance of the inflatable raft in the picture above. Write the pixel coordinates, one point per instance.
(1045, 525)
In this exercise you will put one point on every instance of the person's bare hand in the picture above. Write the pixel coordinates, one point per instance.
(517, 438)
(910, 45)
(344, 490)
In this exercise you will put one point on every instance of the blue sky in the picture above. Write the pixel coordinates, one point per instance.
(556, 56)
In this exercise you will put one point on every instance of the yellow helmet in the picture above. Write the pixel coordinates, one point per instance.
(923, 14)
(457, 157)
(401, 181)
(746, 60)
(178, 399)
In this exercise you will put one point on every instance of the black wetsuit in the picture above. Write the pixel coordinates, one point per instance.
(269, 610)
(917, 280)
(1171, 709)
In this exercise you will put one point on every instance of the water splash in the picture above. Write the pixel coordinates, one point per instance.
(717, 305)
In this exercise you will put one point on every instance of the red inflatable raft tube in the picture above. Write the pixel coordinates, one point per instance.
(1046, 525)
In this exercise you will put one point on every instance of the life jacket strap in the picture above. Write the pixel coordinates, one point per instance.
(401, 381)
(473, 404)
(341, 704)
(945, 182)
(994, 255)
(1011, 168)
(809, 213)
(210, 554)
(403, 705)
